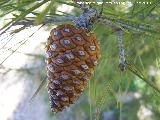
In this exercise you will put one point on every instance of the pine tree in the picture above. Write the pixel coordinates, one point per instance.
(136, 23)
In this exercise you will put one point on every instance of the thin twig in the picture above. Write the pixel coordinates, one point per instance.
(125, 24)
(122, 60)
(60, 19)
(28, 23)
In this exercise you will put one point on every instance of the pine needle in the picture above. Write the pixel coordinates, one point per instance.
(37, 91)
(134, 70)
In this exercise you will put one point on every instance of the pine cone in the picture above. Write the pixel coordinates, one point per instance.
(72, 54)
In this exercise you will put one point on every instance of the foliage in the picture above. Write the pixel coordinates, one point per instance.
(141, 43)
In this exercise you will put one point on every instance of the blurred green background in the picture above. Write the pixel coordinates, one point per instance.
(111, 94)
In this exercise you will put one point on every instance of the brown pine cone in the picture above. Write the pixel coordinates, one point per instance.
(72, 54)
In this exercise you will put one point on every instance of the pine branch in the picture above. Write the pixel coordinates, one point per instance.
(126, 24)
